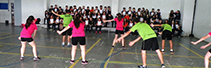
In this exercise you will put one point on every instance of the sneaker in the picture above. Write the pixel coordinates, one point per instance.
(123, 47)
(36, 58)
(68, 45)
(95, 31)
(63, 45)
(84, 62)
(141, 66)
(100, 32)
(22, 58)
(162, 65)
(171, 52)
(72, 61)
(112, 46)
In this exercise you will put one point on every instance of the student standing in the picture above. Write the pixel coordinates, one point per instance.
(78, 36)
(208, 55)
(67, 18)
(25, 36)
(150, 41)
(119, 28)
(167, 33)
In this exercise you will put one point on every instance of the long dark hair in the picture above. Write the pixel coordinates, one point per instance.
(119, 16)
(77, 21)
(29, 21)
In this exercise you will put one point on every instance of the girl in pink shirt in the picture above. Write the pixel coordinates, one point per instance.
(208, 55)
(119, 28)
(78, 36)
(25, 36)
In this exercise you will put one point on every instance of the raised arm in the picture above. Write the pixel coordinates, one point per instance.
(108, 20)
(65, 29)
(203, 38)
(55, 13)
(152, 25)
(134, 41)
(122, 37)
(205, 46)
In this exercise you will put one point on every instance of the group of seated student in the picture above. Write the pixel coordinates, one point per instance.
(151, 17)
(92, 17)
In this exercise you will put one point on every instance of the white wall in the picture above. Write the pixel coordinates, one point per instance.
(6, 14)
(164, 5)
(187, 16)
(35, 8)
(63, 3)
(202, 22)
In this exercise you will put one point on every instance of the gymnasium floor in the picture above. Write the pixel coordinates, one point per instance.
(98, 52)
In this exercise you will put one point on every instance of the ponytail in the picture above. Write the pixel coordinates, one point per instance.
(29, 21)
(77, 21)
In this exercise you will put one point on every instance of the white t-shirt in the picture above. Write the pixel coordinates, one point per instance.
(101, 11)
(99, 23)
(51, 21)
(123, 13)
(57, 20)
(94, 16)
(87, 22)
(104, 16)
(141, 19)
(131, 25)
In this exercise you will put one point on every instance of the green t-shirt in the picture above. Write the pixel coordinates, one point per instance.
(167, 27)
(144, 30)
(67, 18)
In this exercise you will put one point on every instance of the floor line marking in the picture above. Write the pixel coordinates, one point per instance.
(8, 53)
(85, 53)
(109, 55)
(37, 46)
(9, 36)
(192, 51)
(163, 55)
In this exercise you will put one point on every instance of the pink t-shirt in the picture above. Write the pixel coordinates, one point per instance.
(77, 32)
(26, 33)
(210, 33)
(119, 24)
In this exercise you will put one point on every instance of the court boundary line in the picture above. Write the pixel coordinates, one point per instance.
(85, 53)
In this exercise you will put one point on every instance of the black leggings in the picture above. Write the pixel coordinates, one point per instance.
(98, 27)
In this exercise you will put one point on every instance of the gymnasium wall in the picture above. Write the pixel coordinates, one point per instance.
(6, 14)
(35, 8)
(164, 5)
(202, 22)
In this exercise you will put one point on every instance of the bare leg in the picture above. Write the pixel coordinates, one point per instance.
(68, 39)
(144, 57)
(123, 41)
(73, 51)
(22, 50)
(63, 38)
(116, 35)
(206, 59)
(163, 44)
(34, 48)
(171, 44)
(83, 52)
(160, 56)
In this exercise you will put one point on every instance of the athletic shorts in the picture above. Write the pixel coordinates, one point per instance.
(80, 40)
(26, 39)
(167, 34)
(210, 50)
(119, 32)
(68, 32)
(150, 44)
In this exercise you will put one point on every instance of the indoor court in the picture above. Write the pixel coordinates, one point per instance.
(191, 17)
(99, 53)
